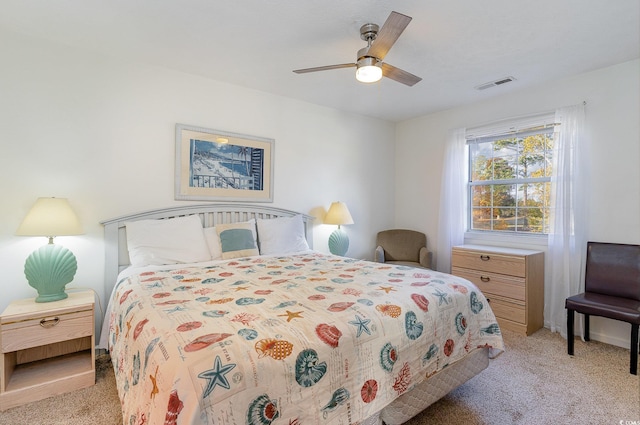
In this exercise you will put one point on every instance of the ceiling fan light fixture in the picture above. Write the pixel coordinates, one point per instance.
(369, 65)
(368, 70)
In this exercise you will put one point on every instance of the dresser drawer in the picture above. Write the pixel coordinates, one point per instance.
(46, 330)
(491, 283)
(504, 309)
(489, 262)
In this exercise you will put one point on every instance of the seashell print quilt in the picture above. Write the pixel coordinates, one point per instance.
(301, 339)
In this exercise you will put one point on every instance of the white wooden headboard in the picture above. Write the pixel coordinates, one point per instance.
(115, 237)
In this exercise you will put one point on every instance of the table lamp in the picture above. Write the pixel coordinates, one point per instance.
(338, 240)
(49, 268)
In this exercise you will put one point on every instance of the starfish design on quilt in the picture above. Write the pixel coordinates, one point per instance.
(362, 325)
(292, 315)
(442, 297)
(241, 288)
(387, 289)
(216, 376)
(154, 379)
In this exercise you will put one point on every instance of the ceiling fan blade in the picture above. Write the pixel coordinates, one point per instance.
(399, 75)
(388, 34)
(324, 68)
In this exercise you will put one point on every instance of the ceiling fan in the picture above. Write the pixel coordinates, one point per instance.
(369, 65)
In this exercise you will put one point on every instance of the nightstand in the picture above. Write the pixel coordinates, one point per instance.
(47, 348)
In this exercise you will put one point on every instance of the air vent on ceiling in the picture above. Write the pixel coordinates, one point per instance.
(495, 83)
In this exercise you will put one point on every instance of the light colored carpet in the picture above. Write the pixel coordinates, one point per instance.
(533, 382)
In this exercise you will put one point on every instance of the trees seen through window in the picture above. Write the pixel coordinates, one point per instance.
(510, 183)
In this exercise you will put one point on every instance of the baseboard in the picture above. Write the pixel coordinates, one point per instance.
(620, 340)
(608, 339)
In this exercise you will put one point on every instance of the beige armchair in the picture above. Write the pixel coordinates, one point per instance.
(403, 247)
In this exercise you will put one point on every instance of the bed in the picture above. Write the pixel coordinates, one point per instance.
(275, 332)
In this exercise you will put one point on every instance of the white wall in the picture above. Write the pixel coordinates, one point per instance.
(613, 137)
(101, 133)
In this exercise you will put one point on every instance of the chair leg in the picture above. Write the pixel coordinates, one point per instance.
(634, 349)
(570, 319)
(586, 327)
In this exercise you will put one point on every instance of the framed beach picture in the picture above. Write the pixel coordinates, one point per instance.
(214, 165)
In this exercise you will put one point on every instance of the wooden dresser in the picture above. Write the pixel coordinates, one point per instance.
(511, 279)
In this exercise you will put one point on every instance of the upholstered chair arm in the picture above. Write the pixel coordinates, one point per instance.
(425, 257)
(379, 255)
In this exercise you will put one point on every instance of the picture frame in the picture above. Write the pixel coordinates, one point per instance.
(214, 165)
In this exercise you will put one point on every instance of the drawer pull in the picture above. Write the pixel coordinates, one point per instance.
(485, 257)
(485, 278)
(49, 323)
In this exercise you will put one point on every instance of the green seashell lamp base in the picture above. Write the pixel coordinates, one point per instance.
(46, 298)
(48, 270)
(338, 242)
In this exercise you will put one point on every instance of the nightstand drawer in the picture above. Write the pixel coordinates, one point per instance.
(490, 283)
(46, 330)
(489, 262)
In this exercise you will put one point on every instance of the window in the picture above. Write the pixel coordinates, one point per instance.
(510, 181)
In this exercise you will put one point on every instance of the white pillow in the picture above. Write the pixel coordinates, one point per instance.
(238, 239)
(170, 241)
(213, 242)
(281, 235)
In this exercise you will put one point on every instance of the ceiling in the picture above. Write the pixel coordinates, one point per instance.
(453, 45)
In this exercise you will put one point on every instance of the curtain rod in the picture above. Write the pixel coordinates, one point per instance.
(521, 130)
(471, 137)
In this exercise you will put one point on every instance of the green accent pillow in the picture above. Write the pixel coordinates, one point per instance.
(238, 239)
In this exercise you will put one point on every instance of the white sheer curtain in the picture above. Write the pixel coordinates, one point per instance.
(567, 239)
(453, 199)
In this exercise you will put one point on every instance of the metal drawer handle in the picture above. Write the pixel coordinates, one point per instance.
(49, 323)
(485, 257)
(485, 278)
